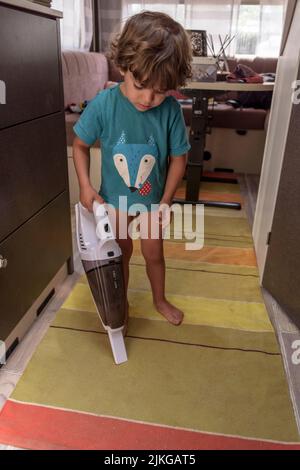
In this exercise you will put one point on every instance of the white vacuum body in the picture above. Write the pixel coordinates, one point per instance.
(101, 258)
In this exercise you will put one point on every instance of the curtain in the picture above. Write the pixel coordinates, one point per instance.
(77, 23)
(107, 22)
(289, 13)
(256, 25)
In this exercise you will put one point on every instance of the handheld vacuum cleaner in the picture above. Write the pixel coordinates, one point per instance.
(101, 258)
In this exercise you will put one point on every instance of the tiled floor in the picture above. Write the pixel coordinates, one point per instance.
(287, 333)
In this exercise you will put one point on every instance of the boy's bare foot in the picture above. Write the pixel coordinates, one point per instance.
(126, 320)
(170, 312)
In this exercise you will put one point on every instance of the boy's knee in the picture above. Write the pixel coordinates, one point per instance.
(152, 256)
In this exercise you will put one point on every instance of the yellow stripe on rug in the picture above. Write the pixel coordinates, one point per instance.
(250, 316)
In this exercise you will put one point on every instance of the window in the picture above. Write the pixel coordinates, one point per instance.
(256, 24)
(76, 27)
(259, 30)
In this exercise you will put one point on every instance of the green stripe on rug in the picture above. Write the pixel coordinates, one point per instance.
(211, 336)
(219, 212)
(212, 285)
(218, 231)
(220, 187)
(199, 284)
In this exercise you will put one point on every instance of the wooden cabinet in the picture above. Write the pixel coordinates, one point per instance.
(33, 169)
(30, 65)
(34, 253)
(35, 221)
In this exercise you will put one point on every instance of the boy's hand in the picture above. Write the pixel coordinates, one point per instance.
(88, 195)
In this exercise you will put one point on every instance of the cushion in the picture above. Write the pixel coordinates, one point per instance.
(84, 75)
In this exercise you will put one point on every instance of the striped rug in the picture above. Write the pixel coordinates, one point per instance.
(215, 382)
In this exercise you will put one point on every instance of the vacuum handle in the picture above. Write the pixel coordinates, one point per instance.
(99, 210)
(103, 227)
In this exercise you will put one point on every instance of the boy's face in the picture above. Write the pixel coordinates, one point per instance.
(142, 98)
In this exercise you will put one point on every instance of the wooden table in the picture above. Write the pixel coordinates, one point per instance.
(200, 92)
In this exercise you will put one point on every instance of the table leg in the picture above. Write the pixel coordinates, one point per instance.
(195, 156)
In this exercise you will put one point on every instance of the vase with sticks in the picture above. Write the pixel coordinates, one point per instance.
(220, 55)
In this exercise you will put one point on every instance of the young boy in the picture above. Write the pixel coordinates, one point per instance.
(143, 140)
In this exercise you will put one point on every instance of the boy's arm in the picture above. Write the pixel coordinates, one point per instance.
(81, 157)
(176, 172)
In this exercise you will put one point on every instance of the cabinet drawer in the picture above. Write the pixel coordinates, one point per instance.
(34, 253)
(29, 66)
(33, 169)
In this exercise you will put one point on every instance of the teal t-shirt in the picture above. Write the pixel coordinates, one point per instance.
(135, 146)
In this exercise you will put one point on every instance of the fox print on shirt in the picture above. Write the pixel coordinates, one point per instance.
(135, 163)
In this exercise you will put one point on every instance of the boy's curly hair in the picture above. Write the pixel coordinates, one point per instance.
(155, 48)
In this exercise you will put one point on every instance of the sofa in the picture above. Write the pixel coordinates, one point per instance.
(84, 75)
(243, 129)
(87, 73)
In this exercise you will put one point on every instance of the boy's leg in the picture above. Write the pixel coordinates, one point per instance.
(152, 250)
(120, 223)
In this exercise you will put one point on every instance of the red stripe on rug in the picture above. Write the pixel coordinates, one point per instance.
(42, 428)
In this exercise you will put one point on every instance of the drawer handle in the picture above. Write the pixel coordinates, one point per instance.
(3, 262)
